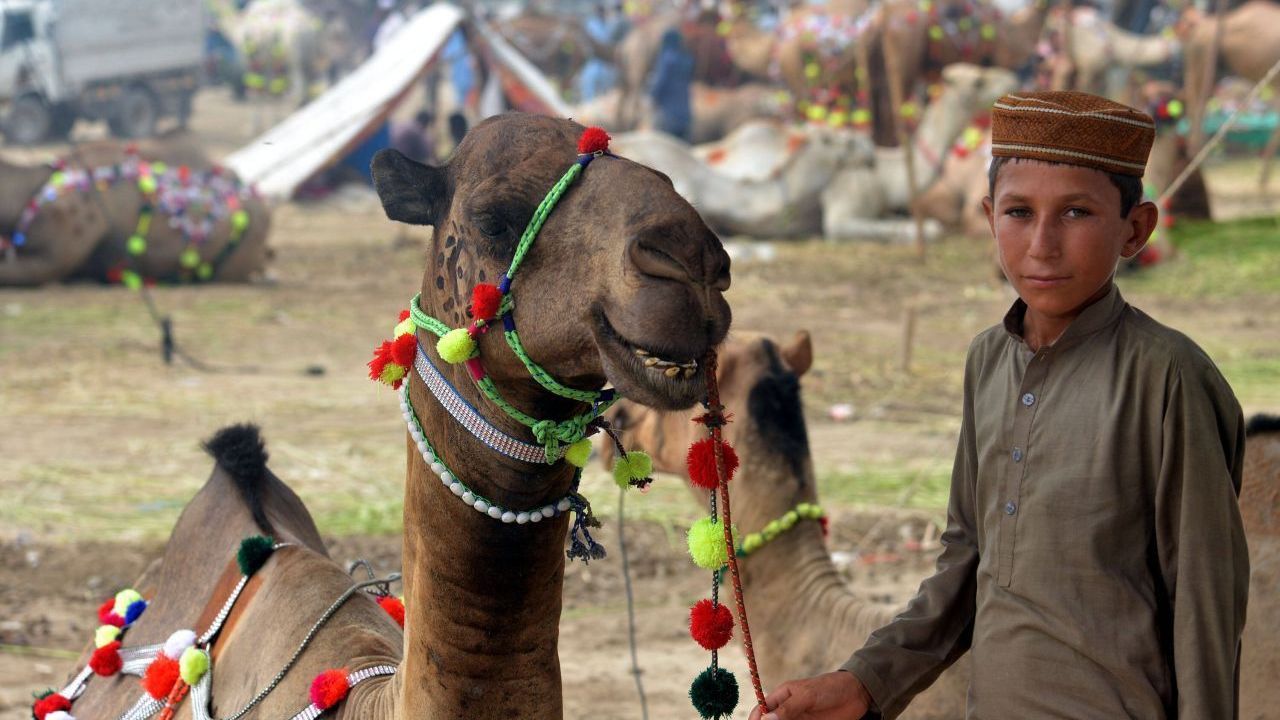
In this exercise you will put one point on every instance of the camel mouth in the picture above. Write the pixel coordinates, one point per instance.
(662, 378)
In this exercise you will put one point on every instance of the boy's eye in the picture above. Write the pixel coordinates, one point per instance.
(1077, 212)
(1018, 212)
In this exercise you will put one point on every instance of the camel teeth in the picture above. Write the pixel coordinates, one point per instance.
(689, 372)
(642, 352)
(671, 372)
(650, 362)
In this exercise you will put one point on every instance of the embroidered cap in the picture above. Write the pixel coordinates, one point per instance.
(1074, 128)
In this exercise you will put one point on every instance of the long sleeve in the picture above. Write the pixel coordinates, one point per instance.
(907, 655)
(1200, 542)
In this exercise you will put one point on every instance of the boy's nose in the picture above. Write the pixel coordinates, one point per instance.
(1046, 239)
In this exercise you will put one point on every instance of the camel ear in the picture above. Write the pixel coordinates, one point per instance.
(798, 354)
(410, 191)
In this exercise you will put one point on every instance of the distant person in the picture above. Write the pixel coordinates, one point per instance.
(670, 86)
(598, 75)
(457, 127)
(413, 137)
(392, 22)
(461, 69)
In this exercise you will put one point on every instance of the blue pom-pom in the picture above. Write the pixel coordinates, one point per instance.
(19, 239)
(254, 551)
(134, 611)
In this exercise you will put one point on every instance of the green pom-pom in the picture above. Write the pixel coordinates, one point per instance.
(147, 184)
(405, 327)
(578, 453)
(189, 258)
(706, 544)
(714, 693)
(105, 634)
(131, 279)
(205, 271)
(158, 168)
(254, 551)
(635, 465)
(752, 543)
(136, 244)
(456, 346)
(124, 599)
(239, 220)
(193, 665)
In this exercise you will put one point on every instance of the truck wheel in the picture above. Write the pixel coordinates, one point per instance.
(62, 120)
(135, 114)
(28, 122)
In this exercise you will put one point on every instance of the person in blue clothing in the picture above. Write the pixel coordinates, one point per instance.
(670, 84)
(598, 75)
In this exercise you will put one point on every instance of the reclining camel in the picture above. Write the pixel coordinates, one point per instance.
(109, 213)
(622, 266)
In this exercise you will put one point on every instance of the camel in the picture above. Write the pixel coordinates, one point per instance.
(716, 111)
(818, 179)
(1260, 511)
(804, 620)
(1250, 47)
(621, 265)
(1096, 46)
(285, 49)
(558, 46)
(58, 223)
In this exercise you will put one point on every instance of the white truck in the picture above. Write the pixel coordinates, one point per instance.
(129, 62)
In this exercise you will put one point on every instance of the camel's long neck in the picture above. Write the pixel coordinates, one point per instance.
(940, 125)
(1139, 50)
(482, 597)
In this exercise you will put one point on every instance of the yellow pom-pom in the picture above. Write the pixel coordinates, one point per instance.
(405, 327)
(391, 373)
(456, 346)
(706, 544)
(578, 453)
(124, 599)
(193, 665)
(635, 465)
(752, 543)
(105, 635)
(147, 184)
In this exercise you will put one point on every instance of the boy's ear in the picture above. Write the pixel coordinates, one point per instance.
(988, 209)
(1142, 221)
(410, 191)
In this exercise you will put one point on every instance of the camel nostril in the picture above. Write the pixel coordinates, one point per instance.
(672, 258)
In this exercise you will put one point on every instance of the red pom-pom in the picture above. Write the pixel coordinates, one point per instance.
(106, 659)
(593, 140)
(702, 463)
(329, 688)
(825, 524)
(107, 613)
(485, 301)
(394, 608)
(710, 625)
(381, 356)
(162, 673)
(404, 349)
(50, 703)
(404, 315)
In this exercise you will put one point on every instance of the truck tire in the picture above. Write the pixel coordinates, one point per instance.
(135, 114)
(62, 120)
(29, 120)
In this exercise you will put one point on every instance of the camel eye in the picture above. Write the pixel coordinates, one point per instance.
(491, 225)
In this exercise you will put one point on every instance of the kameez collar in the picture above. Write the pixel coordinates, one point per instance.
(1103, 313)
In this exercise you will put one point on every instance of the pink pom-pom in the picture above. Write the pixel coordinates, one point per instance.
(710, 625)
(161, 675)
(394, 607)
(106, 659)
(49, 704)
(485, 301)
(329, 688)
(593, 140)
(702, 463)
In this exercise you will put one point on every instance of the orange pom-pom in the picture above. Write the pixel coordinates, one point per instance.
(394, 607)
(710, 625)
(162, 673)
(50, 703)
(702, 463)
(106, 659)
(485, 301)
(593, 140)
(404, 350)
(329, 688)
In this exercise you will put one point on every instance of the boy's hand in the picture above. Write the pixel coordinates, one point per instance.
(835, 695)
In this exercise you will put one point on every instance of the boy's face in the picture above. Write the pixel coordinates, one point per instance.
(1059, 233)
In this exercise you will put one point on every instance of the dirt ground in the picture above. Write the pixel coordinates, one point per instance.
(99, 447)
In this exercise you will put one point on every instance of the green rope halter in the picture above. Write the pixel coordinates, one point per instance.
(459, 346)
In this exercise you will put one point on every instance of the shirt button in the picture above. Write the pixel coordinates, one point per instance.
(1029, 399)
(1017, 454)
(1010, 508)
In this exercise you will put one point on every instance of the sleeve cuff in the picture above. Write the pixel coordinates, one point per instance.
(872, 681)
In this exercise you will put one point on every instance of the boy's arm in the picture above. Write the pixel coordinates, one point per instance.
(904, 657)
(1200, 540)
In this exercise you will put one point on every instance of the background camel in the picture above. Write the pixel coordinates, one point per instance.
(286, 51)
(1095, 47)
(716, 111)
(558, 46)
(85, 231)
(804, 620)
(622, 264)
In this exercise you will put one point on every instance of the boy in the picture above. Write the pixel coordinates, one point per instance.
(1094, 561)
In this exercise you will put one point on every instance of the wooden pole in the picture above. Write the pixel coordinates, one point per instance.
(893, 67)
(908, 338)
(1209, 76)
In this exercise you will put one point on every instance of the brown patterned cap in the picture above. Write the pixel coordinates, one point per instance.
(1074, 128)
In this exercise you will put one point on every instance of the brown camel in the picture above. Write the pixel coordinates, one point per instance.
(1250, 47)
(1095, 45)
(1260, 510)
(804, 621)
(558, 46)
(84, 229)
(621, 265)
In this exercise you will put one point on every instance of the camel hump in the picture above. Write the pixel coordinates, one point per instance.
(242, 453)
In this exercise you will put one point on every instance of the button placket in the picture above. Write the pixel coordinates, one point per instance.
(1027, 401)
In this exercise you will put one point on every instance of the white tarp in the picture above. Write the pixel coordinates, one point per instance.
(523, 73)
(282, 158)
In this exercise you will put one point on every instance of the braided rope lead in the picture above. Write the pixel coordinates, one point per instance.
(713, 403)
(540, 216)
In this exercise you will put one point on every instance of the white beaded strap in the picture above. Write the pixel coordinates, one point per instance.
(143, 709)
(225, 611)
(311, 712)
(135, 660)
(201, 693)
(77, 684)
(475, 423)
(470, 497)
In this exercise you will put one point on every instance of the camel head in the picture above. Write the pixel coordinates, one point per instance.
(760, 387)
(979, 87)
(623, 271)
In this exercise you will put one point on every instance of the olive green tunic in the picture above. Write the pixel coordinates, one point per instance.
(1094, 562)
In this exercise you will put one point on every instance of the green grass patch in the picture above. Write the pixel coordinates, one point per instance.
(922, 485)
(1218, 259)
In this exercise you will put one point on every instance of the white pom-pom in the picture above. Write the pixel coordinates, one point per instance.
(548, 512)
(522, 518)
(457, 489)
(437, 468)
(508, 517)
(58, 715)
(495, 512)
(178, 642)
(447, 478)
(481, 506)
(468, 498)
(563, 505)
(535, 516)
